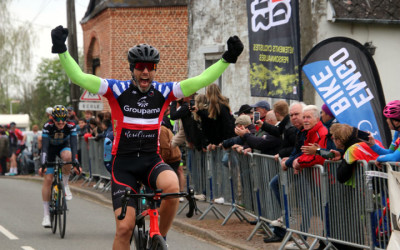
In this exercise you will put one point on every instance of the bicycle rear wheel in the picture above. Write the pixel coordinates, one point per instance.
(53, 207)
(158, 243)
(62, 212)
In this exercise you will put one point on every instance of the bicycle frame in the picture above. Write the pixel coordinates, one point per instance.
(152, 211)
(58, 204)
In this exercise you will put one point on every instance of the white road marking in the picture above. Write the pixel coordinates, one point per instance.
(7, 233)
(27, 248)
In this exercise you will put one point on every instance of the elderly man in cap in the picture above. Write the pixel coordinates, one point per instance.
(262, 107)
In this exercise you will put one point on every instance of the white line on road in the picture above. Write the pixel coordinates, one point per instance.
(27, 248)
(8, 233)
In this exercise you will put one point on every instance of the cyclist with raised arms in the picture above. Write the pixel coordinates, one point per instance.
(59, 137)
(137, 108)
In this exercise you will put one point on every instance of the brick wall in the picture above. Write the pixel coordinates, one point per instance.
(111, 33)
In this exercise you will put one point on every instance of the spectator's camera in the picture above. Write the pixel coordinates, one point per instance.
(327, 154)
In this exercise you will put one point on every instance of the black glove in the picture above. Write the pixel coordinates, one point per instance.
(235, 48)
(76, 165)
(58, 37)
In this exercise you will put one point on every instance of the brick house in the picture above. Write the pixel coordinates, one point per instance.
(110, 28)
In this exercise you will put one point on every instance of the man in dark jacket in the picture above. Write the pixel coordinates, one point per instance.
(192, 132)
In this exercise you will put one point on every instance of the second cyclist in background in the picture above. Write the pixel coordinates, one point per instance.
(59, 138)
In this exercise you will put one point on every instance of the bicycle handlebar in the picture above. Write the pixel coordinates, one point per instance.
(62, 163)
(157, 196)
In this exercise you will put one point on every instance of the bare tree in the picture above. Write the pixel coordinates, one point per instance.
(15, 53)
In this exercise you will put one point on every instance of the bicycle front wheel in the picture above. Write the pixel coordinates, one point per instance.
(158, 243)
(62, 212)
(53, 207)
(140, 237)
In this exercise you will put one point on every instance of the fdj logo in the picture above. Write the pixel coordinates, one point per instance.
(269, 13)
(142, 102)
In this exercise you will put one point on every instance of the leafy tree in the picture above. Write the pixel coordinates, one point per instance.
(52, 88)
(15, 54)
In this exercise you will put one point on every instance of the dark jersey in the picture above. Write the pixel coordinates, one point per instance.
(52, 136)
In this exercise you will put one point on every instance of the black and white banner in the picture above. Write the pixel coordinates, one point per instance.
(274, 48)
(345, 76)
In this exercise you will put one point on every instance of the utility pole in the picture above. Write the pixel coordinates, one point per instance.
(73, 50)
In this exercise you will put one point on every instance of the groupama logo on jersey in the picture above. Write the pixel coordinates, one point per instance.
(269, 13)
(142, 102)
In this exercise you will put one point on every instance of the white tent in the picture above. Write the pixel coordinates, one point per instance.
(22, 120)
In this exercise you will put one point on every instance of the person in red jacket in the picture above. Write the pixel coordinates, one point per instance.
(316, 133)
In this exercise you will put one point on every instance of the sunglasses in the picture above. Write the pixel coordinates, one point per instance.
(60, 119)
(142, 65)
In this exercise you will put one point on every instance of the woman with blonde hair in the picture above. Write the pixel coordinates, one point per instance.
(345, 138)
(217, 121)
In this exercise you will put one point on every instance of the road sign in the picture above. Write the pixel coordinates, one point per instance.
(87, 96)
(97, 106)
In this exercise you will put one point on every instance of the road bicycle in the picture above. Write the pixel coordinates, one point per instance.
(58, 203)
(147, 206)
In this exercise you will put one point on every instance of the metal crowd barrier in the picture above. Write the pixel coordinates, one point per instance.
(305, 204)
(379, 204)
(347, 219)
(315, 205)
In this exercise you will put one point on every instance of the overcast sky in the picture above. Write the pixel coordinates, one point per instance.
(46, 15)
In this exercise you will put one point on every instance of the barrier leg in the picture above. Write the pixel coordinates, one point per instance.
(234, 209)
(212, 207)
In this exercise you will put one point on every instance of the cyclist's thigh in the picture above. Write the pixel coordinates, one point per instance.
(54, 150)
(125, 169)
(65, 154)
(155, 167)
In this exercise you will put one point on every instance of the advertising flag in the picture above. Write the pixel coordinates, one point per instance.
(345, 76)
(274, 48)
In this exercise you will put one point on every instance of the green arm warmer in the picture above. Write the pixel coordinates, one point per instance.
(74, 72)
(191, 85)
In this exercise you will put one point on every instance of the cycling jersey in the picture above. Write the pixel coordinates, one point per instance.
(59, 138)
(137, 116)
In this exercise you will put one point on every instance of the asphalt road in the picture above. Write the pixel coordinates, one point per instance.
(89, 225)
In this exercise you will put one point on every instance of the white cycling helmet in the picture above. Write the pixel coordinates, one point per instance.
(49, 110)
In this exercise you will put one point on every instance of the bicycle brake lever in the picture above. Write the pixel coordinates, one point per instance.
(192, 202)
(124, 202)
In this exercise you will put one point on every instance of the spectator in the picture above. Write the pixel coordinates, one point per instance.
(316, 133)
(292, 137)
(17, 143)
(88, 115)
(36, 147)
(93, 127)
(262, 107)
(171, 155)
(392, 154)
(243, 122)
(245, 109)
(4, 150)
(261, 142)
(108, 135)
(191, 131)
(345, 138)
(217, 122)
(83, 129)
(72, 115)
(49, 111)
(327, 118)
